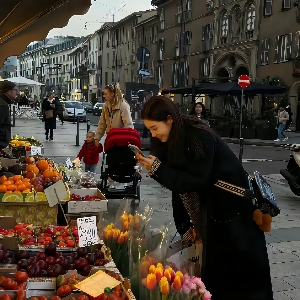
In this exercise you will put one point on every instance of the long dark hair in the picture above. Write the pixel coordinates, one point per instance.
(159, 108)
(193, 110)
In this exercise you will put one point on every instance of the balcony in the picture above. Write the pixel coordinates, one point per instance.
(93, 87)
(296, 68)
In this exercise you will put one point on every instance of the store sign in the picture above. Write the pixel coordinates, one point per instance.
(87, 231)
(34, 150)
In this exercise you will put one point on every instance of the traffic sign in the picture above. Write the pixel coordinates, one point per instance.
(144, 73)
(143, 55)
(244, 81)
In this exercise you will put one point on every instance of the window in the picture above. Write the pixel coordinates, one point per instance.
(268, 7)
(250, 21)
(187, 42)
(174, 75)
(187, 10)
(236, 24)
(139, 38)
(207, 37)
(160, 76)
(204, 67)
(224, 28)
(184, 74)
(286, 4)
(264, 54)
(162, 19)
(283, 48)
(161, 45)
(179, 13)
(152, 69)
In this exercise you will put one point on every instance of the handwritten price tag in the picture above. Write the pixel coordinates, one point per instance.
(34, 150)
(87, 231)
(69, 163)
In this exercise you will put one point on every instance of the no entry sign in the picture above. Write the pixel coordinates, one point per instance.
(244, 81)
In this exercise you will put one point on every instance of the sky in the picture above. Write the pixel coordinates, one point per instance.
(101, 11)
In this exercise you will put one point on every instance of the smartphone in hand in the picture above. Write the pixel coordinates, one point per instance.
(136, 150)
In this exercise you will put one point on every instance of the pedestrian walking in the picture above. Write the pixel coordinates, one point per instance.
(283, 116)
(8, 94)
(199, 111)
(49, 116)
(89, 153)
(290, 120)
(59, 110)
(188, 158)
(115, 112)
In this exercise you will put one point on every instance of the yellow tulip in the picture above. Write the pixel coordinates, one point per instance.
(159, 272)
(108, 234)
(180, 275)
(150, 281)
(121, 239)
(125, 225)
(152, 269)
(164, 286)
(159, 265)
(110, 226)
(116, 233)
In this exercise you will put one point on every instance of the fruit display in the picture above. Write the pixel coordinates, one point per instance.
(20, 141)
(75, 197)
(82, 180)
(15, 183)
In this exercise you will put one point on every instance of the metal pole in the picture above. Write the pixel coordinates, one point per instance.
(74, 116)
(88, 125)
(241, 121)
(14, 116)
(77, 133)
(143, 61)
(193, 90)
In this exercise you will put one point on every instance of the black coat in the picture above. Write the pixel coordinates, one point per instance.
(59, 107)
(237, 264)
(49, 123)
(5, 121)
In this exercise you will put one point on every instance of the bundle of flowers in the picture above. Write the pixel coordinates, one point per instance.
(163, 282)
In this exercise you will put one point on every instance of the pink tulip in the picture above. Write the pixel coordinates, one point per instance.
(207, 295)
(202, 291)
(192, 285)
(198, 281)
(185, 289)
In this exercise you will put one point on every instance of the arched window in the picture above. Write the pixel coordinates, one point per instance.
(250, 17)
(224, 28)
(236, 24)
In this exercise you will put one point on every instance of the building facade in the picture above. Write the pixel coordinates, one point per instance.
(9, 68)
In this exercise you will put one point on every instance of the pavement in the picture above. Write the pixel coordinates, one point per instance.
(283, 240)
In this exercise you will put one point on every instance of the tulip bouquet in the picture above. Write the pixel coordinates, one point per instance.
(116, 240)
(165, 283)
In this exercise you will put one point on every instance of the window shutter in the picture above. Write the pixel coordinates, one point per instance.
(203, 33)
(207, 61)
(201, 67)
(276, 54)
(267, 48)
(262, 52)
(296, 45)
(211, 30)
(289, 44)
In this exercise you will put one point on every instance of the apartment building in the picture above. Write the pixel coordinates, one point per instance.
(183, 49)
(9, 68)
(279, 48)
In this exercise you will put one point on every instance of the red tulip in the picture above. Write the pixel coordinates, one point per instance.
(177, 283)
(159, 272)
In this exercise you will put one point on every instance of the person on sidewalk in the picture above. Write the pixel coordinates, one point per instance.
(89, 153)
(199, 111)
(188, 158)
(115, 112)
(8, 94)
(49, 116)
(289, 121)
(166, 93)
(59, 110)
(283, 116)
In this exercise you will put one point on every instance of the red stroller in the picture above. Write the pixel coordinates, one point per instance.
(120, 165)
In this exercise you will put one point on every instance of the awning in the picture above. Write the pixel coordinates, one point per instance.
(25, 21)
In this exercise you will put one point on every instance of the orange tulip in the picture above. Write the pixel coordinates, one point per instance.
(164, 286)
(144, 268)
(110, 226)
(125, 225)
(125, 235)
(180, 275)
(159, 272)
(108, 233)
(152, 269)
(177, 283)
(159, 265)
(168, 274)
(121, 238)
(116, 233)
(151, 282)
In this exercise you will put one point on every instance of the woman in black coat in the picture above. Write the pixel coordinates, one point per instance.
(188, 158)
(50, 123)
(199, 111)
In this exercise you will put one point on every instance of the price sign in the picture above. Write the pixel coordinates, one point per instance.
(34, 150)
(69, 163)
(87, 231)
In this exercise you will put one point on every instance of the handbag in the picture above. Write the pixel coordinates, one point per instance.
(259, 192)
(49, 114)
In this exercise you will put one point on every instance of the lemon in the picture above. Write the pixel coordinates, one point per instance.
(12, 197)
(29, 197)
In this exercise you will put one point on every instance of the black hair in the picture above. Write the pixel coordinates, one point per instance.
(193, 110)
(159, 108)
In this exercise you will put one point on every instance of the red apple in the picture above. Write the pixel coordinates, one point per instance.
(80, 263)
(41, 256)
(30, 175)
(55, 179)
(32, 260)
(42, 264)
(101, 262)
(50, 260)
(39, 188)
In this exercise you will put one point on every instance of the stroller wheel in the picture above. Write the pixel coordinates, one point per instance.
(137, 200)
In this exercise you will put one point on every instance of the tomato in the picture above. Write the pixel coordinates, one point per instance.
(100, 297)
(42, 298)
(21, 295)
(64, 290)
(55, 298)
(21, 276)
(34, 298)
(69, 298)
(6, 297)
(61, 280)
(10, 284)
(1, 289)
(20, 287)
(83, 297)
(2, 278)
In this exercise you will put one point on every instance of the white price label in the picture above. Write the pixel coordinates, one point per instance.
(69, 163)
(87, 231)
(34, 150)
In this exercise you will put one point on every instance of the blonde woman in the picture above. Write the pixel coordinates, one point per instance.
(115, 112)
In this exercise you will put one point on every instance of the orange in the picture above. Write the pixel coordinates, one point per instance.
(3, 179)
(18, 182)
(3, 188)
(17, 177)
(26, 180)
(21, 187)
(8, 192)
(43, 165)
(27, 184)
(11, 187)
(26, 191)
(48, 174)
(32, 168)
(7, 182)
(11, 180)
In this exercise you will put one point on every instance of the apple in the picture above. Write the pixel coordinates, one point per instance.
(42, 264)
(98, 254)
(22, 264)
(39, 188)
(70, 260)
(58, 254)
(30, 175)
(80, 263)
(32, 260)
(50, 260)
(2, 256)
(75, 255)
(81, 251)
(61, 261)
(86, 270)
(56, 270)
(55, 179)
(23, 254)
(50, 249)
(90, 258)
(41, 256)
(101, 262)
(34, 271)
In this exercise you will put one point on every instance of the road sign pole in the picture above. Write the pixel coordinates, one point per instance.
(143, 61)
(241, 121)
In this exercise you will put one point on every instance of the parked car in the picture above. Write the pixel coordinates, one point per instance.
(98, 109)
(88, 107)
(69, 110)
